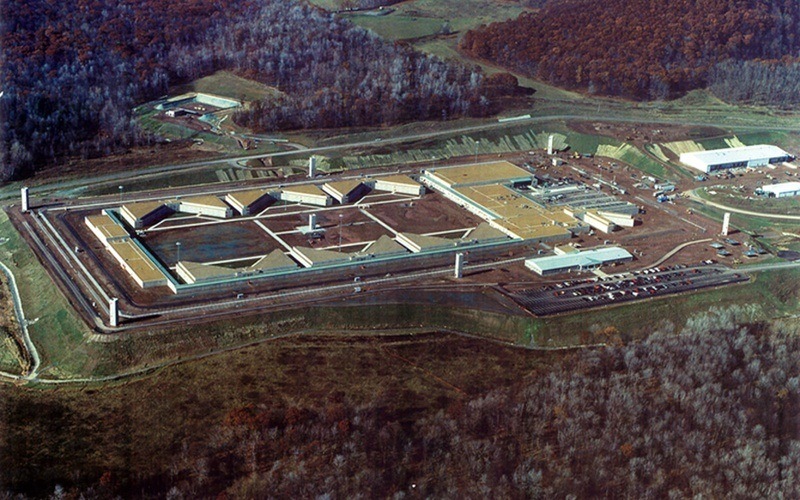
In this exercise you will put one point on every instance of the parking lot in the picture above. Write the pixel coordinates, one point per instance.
(593, 292)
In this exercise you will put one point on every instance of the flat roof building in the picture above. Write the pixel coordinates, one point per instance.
(745, 156)
(345, 191)
(385, 246)
(105, 228)
(498, 172)
(275, 262)
(310, 257)
(136, 263)
(402, 184)
(147, 213)
(308, 194)
(249, 202)
(205, 205)
(578, 261)
(782, 190)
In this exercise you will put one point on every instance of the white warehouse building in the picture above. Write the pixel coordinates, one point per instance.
(745, 156)
(578, 261)
(781, 190)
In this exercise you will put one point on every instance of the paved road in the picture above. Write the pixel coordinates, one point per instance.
(692, 195)
(53, 188)
(23, 323)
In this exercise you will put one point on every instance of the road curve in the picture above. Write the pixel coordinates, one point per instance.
(23, 324)
(693, 196)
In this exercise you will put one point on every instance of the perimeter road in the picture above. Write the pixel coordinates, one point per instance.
(693, 196)
(23, 324)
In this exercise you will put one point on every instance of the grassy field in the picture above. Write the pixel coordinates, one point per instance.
(226, 84)
(734, 199)
(398, 26)
(55, 329)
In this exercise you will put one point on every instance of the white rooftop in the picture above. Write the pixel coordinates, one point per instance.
(732, 155)
(582, 259)
(783, 187)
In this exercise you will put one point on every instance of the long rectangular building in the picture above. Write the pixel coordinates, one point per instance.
(578, 261)
(248, 202)
(205, 205)
(401, 184)
(782, 190)
(308, 194)
(745, 156)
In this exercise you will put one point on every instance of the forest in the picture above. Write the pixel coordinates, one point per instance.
(711, 411)
(651, 49)
(73, 70)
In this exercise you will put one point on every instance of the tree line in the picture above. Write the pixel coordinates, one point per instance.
(647, 49)
(711, 411)
(73, 70)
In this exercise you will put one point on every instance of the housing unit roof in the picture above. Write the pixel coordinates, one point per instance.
(343, 187)
(384, 245)
(142, 209)
(139, 264)
(246, 198)
(274, 260)
(208, 201)
(106, 226)
(498, 172)
(398, 179)
(485, 232)
(204, 272)
(304, 189)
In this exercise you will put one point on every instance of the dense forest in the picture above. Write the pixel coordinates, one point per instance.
(72, 71)
(654, 49)
(713, 411)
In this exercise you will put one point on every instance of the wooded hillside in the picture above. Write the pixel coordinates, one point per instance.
(650, 49)
(72, 71)
(712, 411)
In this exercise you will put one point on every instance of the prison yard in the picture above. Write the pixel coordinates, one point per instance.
(513, 221)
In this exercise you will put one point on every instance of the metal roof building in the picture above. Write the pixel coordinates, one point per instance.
(784, 189)
(745, 156)
(587, 259)
(308, 194)
(205, 205)
(344, 191)
(247, 202)
(402, 184)
(146, 213)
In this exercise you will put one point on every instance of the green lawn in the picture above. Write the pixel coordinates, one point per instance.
(226, 84)
(57, 332)
(397, 26)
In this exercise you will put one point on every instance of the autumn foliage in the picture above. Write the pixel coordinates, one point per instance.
(647, 49)
(73, 70)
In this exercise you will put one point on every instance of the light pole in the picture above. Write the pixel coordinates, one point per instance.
(178, 246)
(477, 143)
(340, 232)
(120, 194)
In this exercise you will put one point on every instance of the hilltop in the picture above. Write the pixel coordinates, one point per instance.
(744, 50)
